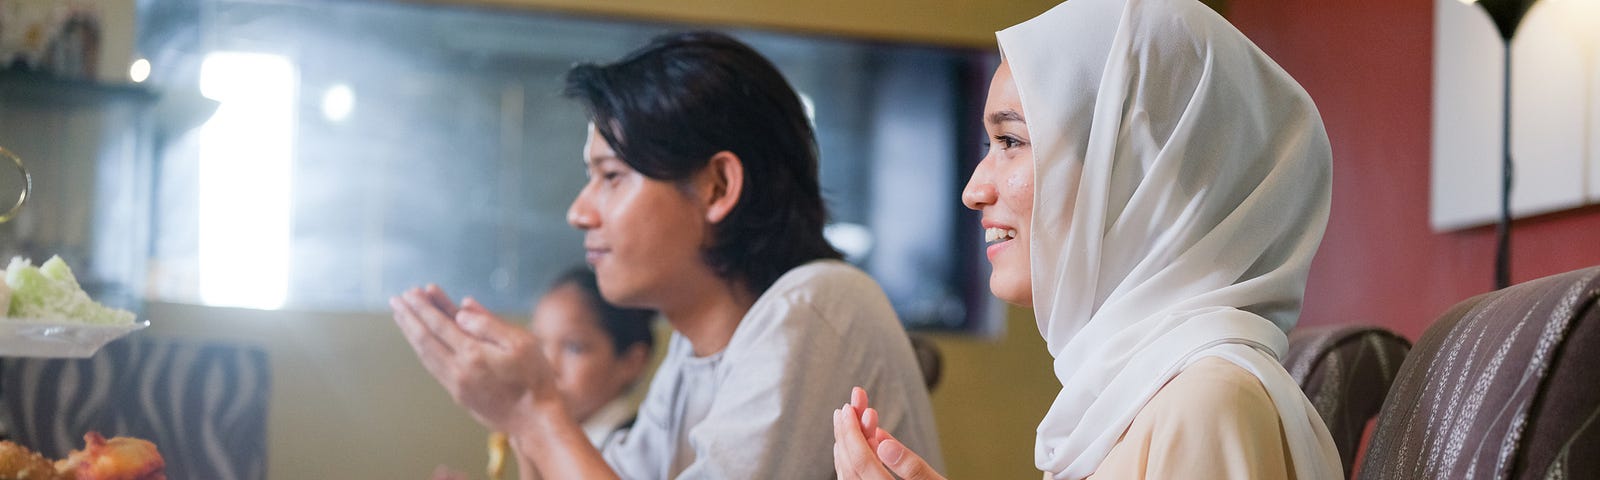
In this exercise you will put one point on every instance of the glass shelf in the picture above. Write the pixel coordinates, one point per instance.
(24, 87)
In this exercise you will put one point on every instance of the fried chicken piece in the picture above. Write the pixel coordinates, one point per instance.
(121, 458)
(19, 463)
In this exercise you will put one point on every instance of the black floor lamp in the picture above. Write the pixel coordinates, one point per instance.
(1507, 15)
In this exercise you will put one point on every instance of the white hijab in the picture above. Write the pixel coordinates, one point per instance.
(1202, 188)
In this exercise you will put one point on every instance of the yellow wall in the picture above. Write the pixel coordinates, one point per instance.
(993, 394)
(947, 22)
(963, 23)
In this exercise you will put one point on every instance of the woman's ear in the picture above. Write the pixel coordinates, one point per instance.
(726, 172)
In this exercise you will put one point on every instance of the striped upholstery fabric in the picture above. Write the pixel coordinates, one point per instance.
(203, 404)
(1504, 385)
(1345, 370)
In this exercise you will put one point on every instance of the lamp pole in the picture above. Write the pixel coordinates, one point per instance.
(1507, 15)
(1502, 232)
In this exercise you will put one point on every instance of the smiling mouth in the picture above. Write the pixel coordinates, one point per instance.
(993, 235)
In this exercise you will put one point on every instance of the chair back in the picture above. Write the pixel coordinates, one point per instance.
(929, 360)
(203, 404)
(1345, 370)
(1503, 385)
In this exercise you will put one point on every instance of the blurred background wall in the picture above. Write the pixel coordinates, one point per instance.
(1369, 66)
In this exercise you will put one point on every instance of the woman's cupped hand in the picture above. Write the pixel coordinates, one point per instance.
(863, 450)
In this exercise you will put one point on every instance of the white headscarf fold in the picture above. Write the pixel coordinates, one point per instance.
(1182, 184)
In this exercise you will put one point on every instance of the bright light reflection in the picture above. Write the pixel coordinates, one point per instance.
(853, 240)
(337, 103)
(139, 71)
(810, 107)
(245, 152)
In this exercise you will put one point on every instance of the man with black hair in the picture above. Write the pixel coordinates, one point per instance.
(703, 204)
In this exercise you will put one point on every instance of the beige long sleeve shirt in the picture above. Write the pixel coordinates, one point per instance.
(1213, 420)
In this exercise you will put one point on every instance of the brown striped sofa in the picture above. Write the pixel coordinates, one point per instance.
(1505, 385)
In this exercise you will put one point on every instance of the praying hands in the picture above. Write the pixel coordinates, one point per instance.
(861, 450)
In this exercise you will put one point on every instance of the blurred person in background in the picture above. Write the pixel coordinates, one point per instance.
(598, 351)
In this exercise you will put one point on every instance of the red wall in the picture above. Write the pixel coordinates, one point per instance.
(1368, 65)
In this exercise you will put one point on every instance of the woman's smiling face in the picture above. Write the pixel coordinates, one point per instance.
(1001, 189)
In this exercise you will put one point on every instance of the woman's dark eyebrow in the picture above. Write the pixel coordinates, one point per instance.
(1004, 116)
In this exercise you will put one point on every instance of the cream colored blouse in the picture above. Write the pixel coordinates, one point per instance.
(1213, 420)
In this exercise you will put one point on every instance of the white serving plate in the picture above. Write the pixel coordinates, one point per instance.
(21, 337)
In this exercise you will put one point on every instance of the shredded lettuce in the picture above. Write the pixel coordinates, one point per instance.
(50, 292)
(5, 295)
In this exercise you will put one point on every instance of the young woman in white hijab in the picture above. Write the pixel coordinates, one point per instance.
(1155, 189)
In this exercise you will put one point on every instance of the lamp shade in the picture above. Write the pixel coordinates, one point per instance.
(1507, 14)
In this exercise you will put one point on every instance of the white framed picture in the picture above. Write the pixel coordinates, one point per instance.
(1555, 112)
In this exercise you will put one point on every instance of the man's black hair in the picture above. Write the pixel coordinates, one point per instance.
(671, 105)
